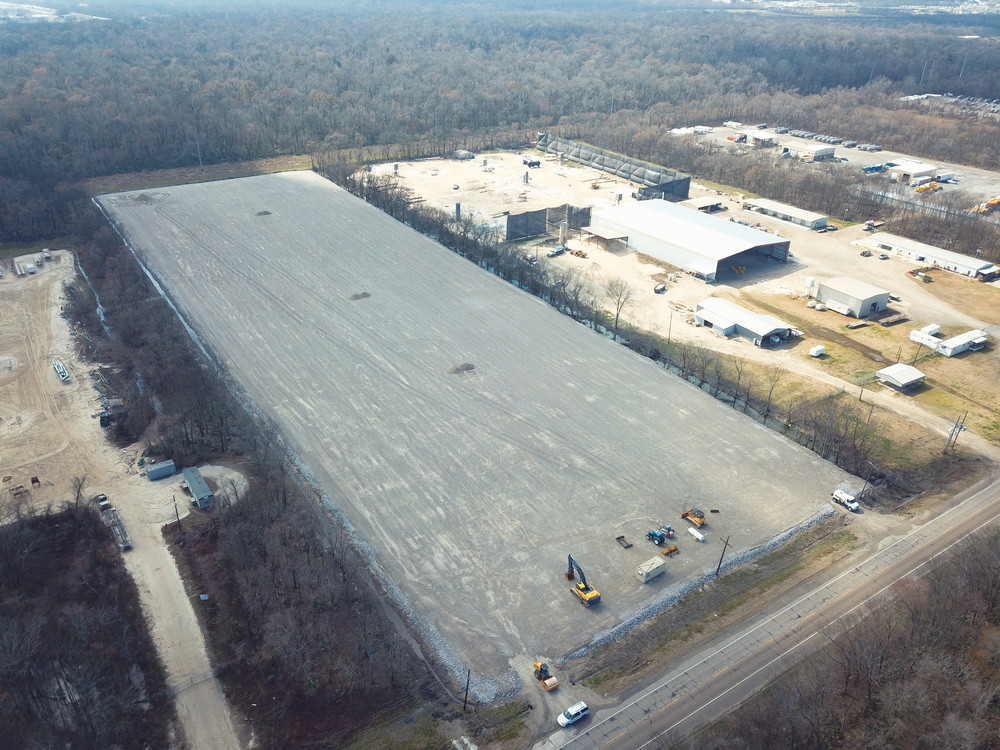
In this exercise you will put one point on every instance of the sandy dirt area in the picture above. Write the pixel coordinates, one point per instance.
(49, 430)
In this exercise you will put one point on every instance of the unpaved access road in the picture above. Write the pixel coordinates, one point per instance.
(725, 672)
(48, 430)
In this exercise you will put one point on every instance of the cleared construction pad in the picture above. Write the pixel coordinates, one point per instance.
(470, 434)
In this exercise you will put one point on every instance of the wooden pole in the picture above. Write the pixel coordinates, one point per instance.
(725, 546)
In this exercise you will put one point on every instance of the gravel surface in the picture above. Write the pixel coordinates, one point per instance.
(467, 486)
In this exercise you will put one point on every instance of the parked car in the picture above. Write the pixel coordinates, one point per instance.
(556, 251)
(883, 256)
(573, 714)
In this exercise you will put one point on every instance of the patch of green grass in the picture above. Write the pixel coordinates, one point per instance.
(500, 724)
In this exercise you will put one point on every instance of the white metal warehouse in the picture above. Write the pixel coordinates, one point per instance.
(727, 318)
(685, 238)
(852, 297)
(929, 254)
(786, 213)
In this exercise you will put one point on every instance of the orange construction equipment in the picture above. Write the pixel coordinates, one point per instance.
(695, 516)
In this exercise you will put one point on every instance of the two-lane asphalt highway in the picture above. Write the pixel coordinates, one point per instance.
(720, 677)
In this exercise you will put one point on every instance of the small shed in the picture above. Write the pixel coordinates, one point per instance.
(852, 297)
(900, 376)
(160, 470)
(201, 495)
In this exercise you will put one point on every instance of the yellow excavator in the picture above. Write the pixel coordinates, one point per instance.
(586, 593)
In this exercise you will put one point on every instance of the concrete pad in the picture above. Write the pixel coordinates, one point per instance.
(468, 485)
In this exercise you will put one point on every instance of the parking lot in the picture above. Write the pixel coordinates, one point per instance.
(471, 435)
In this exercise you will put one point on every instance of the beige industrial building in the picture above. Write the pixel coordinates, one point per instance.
(930, 255)
(808, 150)
(727, 319)
(852, 297)
(786, 213)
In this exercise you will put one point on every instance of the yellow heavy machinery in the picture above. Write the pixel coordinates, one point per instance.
(988, 207)
(583, 591)
(545, 677)
(695, 516)
(930, 187)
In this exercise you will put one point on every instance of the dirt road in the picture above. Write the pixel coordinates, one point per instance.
(48, 430)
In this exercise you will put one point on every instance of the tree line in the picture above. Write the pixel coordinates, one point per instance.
(918, 671)
(78, 667)
(296, 622)
(150, 90)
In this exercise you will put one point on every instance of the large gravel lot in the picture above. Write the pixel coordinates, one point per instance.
(468, 485)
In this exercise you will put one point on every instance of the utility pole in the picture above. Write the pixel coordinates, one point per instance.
(725, 546)
(670, 324)
(468, 678)
(919, 347)
(177, 513)
(957, 430)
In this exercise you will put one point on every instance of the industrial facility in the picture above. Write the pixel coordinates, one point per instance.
(852, 297)
(930, 255)
(786, 213)
(808, 150)
(727, 318)
(690, 240)
(655, 181)
(906, 171)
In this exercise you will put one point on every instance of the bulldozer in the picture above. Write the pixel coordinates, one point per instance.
(695, 516)
(545, 677)
(583, 591)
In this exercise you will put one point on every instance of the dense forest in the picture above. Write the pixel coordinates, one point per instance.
(178, 84)
(920, 671)
(77, 663)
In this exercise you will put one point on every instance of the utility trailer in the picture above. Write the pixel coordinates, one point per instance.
(114, 521)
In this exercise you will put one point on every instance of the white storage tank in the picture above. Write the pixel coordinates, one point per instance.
(696, 534)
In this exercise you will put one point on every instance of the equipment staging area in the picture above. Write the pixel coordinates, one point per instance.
(470, 435)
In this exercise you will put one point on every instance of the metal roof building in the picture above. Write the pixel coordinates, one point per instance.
(852, 297)
(929, 254)
(200, 493)
(900, 376)
(906, 170)
(787, 213)
(808, 150)
(685, 238)
(728, 318)
(707, 203)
